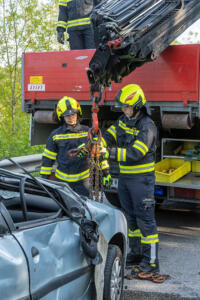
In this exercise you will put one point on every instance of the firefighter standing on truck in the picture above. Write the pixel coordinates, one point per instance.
(132, 142)
(70, 135)
(74, 15)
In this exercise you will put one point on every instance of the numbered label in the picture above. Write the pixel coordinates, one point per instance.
(36, 87)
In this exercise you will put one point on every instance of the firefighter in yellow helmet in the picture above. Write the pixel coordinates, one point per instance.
(131, 141)
(71, 134)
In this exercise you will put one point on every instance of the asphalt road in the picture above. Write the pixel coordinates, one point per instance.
(179, 254)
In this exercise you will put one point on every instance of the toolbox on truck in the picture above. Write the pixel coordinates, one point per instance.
(171, 169)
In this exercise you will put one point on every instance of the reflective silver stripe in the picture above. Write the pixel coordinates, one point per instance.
(64, 2)
(121, 154)
(150, 239)
(137, 169)
(104, 142)
(79, 22)
(153, 253)
(45, 170)
(135, 233)
(72, 177)
(104, 164)
(49, 154)
(141, 146)
(70, 136)
(127, 129)
(112, 131)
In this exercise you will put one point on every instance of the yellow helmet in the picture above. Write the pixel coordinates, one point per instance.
(68, 106)
(131, 95)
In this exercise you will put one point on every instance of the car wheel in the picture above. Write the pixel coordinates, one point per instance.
(113, 274)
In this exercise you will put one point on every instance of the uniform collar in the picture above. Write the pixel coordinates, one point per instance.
(72, 129)
(132, 122)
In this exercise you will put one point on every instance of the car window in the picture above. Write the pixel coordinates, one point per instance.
(29, 207)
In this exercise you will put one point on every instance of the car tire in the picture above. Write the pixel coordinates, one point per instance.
(113, 274)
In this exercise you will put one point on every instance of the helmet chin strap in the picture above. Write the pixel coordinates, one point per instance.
(134, 115)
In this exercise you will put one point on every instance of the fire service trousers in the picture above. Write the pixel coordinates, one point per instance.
(136, 194)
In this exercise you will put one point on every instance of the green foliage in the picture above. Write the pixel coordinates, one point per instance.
(24, 26)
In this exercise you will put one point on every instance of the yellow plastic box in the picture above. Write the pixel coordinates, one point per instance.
(181, 168)
(196, 166)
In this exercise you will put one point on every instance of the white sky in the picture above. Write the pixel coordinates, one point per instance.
(186, 37)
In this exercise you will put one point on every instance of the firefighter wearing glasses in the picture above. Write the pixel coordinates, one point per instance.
(70, 135)
(132, 142)
(74, 15)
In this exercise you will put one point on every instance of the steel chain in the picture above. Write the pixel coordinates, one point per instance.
(95, 179)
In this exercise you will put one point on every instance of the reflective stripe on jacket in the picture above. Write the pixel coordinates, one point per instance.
(60, 141)
(75, 14)
(136, 144)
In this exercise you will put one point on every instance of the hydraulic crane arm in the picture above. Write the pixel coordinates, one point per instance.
(129, 33)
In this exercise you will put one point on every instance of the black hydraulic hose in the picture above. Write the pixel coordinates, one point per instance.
(22, 198)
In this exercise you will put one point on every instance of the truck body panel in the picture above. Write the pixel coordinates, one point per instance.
(173, 77)
(171, 85)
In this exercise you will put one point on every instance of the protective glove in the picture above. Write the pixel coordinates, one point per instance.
(83, 152)
(60, 37)
(107, 181)
(104, 153)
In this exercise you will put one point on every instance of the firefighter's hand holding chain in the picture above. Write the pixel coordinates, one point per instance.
(84, 151)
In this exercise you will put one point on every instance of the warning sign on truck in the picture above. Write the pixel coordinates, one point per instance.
(36, 84)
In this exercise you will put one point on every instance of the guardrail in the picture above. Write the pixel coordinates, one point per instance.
(29, 162)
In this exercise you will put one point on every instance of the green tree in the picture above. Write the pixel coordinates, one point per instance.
(24, 26)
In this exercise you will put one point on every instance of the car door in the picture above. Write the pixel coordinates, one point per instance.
(14, 275)
(57, 265)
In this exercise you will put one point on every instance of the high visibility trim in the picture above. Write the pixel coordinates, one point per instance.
(127, 129)
(121, 154)
(150, 239)
(78, 22)
(135, 233)
(70, 136)
(139, 148)
(142, 144)
(104, 142)
(104, 165)
(45, 170)
(49, 154)
(62, 24)
(64, 2)
(72, 177)
(137, 169)
(153, 253)
(112, 131)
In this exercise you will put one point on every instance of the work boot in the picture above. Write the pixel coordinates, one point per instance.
(133, 259)
(145, 268)
(150, 268)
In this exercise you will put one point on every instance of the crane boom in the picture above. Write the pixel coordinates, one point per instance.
(129, 33)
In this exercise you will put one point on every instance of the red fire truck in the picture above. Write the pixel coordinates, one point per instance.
(172, 88)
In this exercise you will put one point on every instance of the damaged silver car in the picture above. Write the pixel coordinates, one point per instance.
(56, 245)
